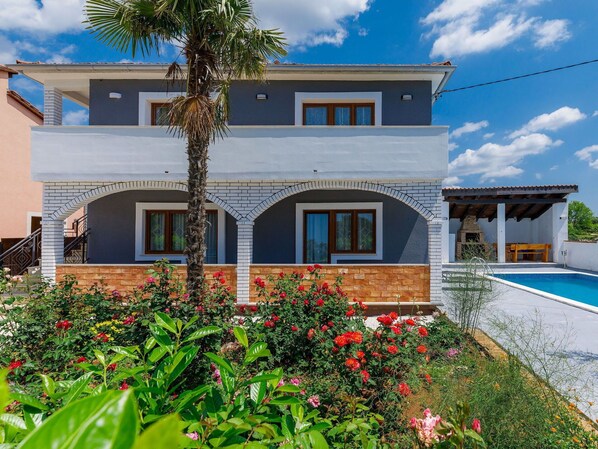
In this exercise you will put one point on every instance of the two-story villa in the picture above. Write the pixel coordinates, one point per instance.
(331, 164)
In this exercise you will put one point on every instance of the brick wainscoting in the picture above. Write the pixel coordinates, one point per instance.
(369, 283)
(127, 277)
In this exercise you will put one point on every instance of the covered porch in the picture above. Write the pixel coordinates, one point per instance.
(506, 224)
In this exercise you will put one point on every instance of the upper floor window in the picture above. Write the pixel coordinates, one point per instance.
(338, 114)
(160, 114)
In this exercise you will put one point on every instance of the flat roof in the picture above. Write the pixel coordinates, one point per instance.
(73, 79)
(520, 201)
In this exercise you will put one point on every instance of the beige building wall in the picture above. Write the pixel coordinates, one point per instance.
(19, 196)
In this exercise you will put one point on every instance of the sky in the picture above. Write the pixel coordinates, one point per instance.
(539, 130)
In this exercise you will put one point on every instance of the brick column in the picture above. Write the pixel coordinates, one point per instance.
(52, 106)
(244, 256)
(435, 256)
(52, 247)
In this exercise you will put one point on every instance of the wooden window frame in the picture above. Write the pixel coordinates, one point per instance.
(155, 105)
(168, 230)
(332, 231)
(330, 112)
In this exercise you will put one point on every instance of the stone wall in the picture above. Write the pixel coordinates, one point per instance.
(368, 283)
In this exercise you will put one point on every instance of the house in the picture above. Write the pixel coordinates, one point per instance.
(332, 164)
(21, 198)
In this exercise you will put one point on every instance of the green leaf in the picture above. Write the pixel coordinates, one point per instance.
(77, 388)
(288, 426)
(190, 396)
(191, 322)
(165, 322)
(183, 358)
(257, 392)
(161, 435)
(161, 336)
(13, 421)
(203, 332)
(149, 344)
(288, 389)
(257, 350)
(241, 336)
(261, 378)
(318, 440)
(100, 356)
(157, 354)
(108, 421)
(285, 400)
(48, 385)
(33, 420)
(4, 390)
(222, 363)
(29, 400)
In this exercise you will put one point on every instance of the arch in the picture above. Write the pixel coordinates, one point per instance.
(340, 185)
(91, 195)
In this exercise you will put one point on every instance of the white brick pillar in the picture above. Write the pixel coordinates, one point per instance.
(52, 247)
(52, 106)
(445, 231)
(244, 256)
(435, 258)
(501, 239)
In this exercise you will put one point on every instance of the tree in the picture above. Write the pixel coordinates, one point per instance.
(581, 217)
(220, 41)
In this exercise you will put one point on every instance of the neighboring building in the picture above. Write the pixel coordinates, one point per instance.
(20, 197)
(288, 186)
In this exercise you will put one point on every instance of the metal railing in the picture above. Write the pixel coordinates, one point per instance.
(24, 254)
(76, 250)
(78, 227)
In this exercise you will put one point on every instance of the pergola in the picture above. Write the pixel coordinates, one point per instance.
(505, 203)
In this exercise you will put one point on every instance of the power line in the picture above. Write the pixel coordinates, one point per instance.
(527, 75)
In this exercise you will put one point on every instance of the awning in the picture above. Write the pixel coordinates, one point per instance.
(520, 202)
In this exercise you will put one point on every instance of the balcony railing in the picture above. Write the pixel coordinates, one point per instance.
(123, 153)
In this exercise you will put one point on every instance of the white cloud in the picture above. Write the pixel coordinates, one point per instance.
(363, 32)
(80, 117)
(587, 154)
(488, 136)
(310, 22)
(493, 160)
(45, 16)
(551, 32)
(551, 121)
(538, 175)
(8, 51)
(463, 27)
(452, 146)
(22, 84)
(469, 127)
(452, 181)
(554, 167)
(595, 114)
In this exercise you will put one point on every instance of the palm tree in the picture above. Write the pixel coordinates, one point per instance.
(220, 41)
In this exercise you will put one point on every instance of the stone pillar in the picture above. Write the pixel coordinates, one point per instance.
(560, 230)
(52, 106)
(52, 247)
(435, 257)
(500, 233)
(244, 256)
(444, 214)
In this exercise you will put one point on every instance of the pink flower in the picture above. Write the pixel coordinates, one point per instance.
(193, 435)
(453, 352)
(280, 383)
(425, 429)
(476, 426)
(295, 381)
(150, 280)
(314, 401)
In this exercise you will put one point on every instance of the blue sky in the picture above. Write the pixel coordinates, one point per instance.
(540, 130)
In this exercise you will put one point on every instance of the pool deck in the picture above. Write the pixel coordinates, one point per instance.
(581, 327)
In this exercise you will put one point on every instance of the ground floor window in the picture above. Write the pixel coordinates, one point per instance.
(331, 232)
(161, 231)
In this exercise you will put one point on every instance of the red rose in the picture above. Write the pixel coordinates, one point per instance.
(360, 354)
(396, 330)
(350, 312)
(294, 328)
(352, 364)
(341, 341)
(270, 324)
(320, 302)
(325, 286)
(392, 349)
(365, 376)
(324, 328)
(111, 367)
(410, 322)
(66, 325)
(102, 337)
(363, 306)
(306, 302)
(14, 365)
(428, 378)
(393, 315)
(310, 269)
(404, 389)
(242, 308)
(253, 309)
(310, 334)
(283, 295)
(81, 360)
(281, 275)
(317, 266)
(422, 349)
(259, 282)
(223, 280)
(275, 318)
(124, 386)
(301, 288)
(376, 354)
(330, 324)
(385, 320)
(129, 320)
(423, 331)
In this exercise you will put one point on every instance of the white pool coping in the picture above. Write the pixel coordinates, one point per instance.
(542, 293)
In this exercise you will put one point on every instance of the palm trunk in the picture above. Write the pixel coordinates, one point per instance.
(197, 153)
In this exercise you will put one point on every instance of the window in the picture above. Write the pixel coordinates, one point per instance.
(159, 113)
(165, 233)
(338, 114)
(328, 232)
(160, 232)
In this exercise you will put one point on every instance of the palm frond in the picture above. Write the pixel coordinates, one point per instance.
(193, 117)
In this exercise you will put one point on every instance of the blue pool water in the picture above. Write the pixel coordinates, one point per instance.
(578, 287)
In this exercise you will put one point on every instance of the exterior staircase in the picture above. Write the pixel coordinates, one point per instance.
(24, 257)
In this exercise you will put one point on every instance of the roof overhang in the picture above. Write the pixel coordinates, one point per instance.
(73, 79)
(520, 202)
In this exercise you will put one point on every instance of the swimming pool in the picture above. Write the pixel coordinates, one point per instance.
(574, 286)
